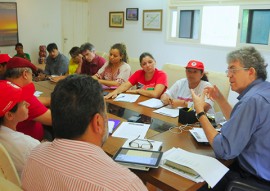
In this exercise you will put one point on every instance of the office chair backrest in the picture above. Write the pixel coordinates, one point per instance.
(134, 64)
(174, 72)
(241, 185)
(7, 168)
(221, 81)
(6, 185)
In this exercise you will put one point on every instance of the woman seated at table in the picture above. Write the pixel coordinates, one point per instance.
(116, 71)
(149, 80)
(179, 94)
(14, 109)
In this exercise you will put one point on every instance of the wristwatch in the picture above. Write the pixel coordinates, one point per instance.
(200, 114)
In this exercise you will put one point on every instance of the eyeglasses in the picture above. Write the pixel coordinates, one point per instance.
(141, 143)
(233, 70)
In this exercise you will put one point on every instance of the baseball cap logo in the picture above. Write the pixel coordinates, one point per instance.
(193, 64)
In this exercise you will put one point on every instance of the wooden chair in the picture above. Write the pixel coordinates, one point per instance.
(7, 168)
(6, 185)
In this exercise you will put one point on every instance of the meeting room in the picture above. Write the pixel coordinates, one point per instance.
(158, 95)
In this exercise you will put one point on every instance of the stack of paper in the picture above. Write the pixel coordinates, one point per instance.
(152, 103)
(168, 111)
(127, 97)
(131, 130)
(206, 168)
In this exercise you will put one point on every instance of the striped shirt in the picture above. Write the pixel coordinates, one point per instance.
(75, 165)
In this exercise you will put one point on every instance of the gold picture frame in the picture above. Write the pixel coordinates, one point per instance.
(116, 19)
(152, 20)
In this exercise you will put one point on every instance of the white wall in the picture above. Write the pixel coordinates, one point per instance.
(138, 41)
(39, 22)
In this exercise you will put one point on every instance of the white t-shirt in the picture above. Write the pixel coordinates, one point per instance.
(18, 145)
(180, 90)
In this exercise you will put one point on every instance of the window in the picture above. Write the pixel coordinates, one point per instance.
(185, 23)
(189, 24)
(220, 29)
(224, 23)
(255, 26)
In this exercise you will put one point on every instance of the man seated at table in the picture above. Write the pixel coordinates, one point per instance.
(91, 62)
(75, 159)
(245, 135)
(19, 71)
(56, 63)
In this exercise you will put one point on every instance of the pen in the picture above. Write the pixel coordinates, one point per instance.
(191, 108)
(170, 101)
(138, 124)
(117, 98)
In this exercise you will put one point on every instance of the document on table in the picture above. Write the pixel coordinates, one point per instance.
(127, 97)
(37, 93)
(131, 130)
(168, 111)
(199, 135)
(152, 103)
(209, 169)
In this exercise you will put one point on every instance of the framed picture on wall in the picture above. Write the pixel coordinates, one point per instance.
(152, 20)
(132, 14)
(8, 24)
(116, 19)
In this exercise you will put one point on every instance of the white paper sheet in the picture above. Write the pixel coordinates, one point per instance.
(152, 103)
(210, 169)
(37, 93)
(131, 130)
(168, 111)
(127, 97)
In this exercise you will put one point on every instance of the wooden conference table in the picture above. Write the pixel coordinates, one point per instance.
(161, 178)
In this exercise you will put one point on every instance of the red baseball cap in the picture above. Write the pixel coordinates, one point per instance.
(195, 64)
(11, 94)
(4, 58)
(17, 62)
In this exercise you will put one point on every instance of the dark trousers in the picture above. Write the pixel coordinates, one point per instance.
(237, 173)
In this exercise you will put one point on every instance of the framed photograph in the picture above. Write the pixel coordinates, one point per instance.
(9, 24)
(116, 19)
(152, 20)
(132, 14)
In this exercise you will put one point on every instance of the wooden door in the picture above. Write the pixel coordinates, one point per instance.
(75, 23)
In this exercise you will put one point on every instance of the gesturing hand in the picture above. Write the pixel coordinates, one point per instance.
(198, 101)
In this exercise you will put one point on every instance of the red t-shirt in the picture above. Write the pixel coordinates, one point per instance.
(29, 126)
(93, 67)
(138, 79)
